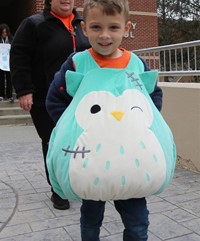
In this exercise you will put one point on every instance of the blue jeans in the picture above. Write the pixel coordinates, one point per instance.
(133, 212)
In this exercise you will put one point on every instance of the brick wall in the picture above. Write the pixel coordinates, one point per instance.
(39, 5)
(143, 16)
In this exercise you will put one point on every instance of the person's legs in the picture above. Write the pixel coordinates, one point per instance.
(134, 214)
(2, 83)
(9, 88)
(92, 213)
(44, 126)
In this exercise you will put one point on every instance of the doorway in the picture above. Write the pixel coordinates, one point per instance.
(12, 12)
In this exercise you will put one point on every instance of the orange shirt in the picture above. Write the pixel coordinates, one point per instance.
(106, 62)
(67, 21)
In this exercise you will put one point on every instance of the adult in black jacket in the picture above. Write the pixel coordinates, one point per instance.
(40, 45)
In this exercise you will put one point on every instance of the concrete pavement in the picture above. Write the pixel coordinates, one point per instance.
(27, 214)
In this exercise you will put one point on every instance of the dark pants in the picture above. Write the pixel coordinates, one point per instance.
(5, 84)
(44, 126)
(133, 212)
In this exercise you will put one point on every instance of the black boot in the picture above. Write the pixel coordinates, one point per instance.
(59, 203)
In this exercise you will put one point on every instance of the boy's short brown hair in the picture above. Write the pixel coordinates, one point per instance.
(109, 7)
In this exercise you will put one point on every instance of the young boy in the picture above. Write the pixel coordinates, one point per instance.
(105, 23)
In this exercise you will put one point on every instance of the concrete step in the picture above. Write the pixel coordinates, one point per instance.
(12, 114)
(16, 120)
(12, 111)
(8, 104)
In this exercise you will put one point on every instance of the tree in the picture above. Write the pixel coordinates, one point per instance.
(178, 20)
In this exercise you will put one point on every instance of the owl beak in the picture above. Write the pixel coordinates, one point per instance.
(117, 114)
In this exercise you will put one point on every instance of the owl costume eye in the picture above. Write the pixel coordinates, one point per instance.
(136, 107)
(125, 151)
(95, 109)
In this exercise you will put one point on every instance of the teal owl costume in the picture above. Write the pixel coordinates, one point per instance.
(111, 143)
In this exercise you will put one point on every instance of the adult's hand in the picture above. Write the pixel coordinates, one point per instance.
(26, 102)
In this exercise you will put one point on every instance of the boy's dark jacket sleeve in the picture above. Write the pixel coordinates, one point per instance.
(58, 99)
(157, 95)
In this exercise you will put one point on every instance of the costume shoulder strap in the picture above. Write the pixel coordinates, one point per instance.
(136, 64)
(84, 62)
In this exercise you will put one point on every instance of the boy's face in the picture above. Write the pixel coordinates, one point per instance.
(105, 32)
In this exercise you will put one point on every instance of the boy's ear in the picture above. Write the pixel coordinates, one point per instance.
(83, 26)
(127, 27)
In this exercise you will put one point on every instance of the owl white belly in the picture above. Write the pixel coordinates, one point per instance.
(112, 171)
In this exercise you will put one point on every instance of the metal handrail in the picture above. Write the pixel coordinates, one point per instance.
(181, 59)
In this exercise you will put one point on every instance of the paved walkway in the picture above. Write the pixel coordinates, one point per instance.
(26, 212)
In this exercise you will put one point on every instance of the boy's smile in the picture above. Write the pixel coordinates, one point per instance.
(105, 32)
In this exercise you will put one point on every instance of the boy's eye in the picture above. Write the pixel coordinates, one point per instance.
(114, 27)
(94, 27)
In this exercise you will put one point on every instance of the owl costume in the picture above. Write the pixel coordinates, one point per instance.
(111, 143)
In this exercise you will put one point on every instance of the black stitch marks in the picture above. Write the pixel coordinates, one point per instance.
(83, 151)
(133, 79)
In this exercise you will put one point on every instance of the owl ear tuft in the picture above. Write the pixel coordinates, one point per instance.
(73, 80)
(149, 79)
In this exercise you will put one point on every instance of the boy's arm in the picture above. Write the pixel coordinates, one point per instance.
(156, 97)
(58, 99)
(157, 94)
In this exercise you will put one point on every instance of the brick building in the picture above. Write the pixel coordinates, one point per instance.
(143, 16)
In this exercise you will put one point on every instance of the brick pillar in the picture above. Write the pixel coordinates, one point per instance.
(39, 5)
(144, 32)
